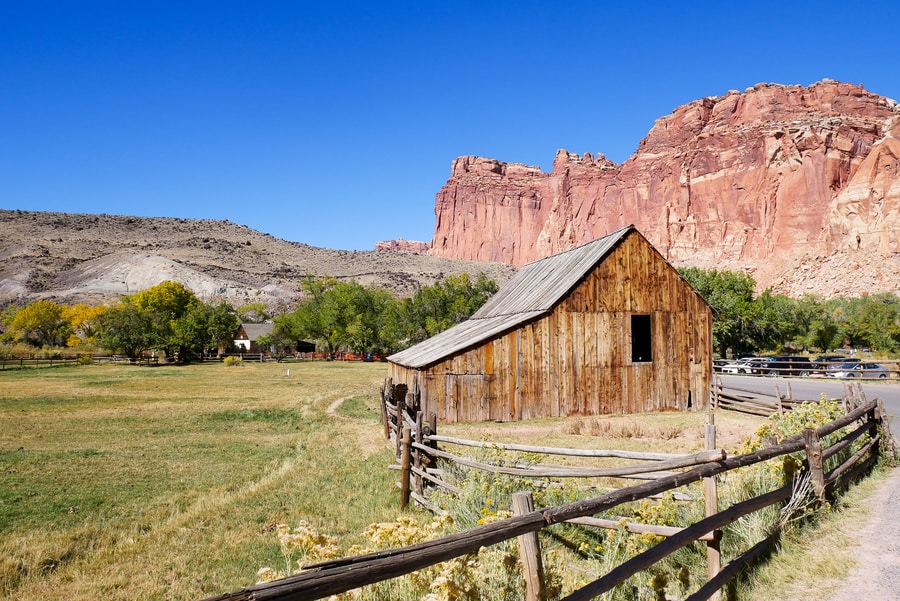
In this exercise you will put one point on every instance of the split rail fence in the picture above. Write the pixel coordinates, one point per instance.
(764, 404)
(416, 438)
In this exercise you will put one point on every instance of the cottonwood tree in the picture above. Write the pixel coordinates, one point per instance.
(167, 316)
(433, 309)
(128, 329)
(731, 297)
(338, 315)
(84, 321)
(204, 326)
(41, 323)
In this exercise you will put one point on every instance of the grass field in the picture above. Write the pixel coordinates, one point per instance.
(123, 482)
(127, 482)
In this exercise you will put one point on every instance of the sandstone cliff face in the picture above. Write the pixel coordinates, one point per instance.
(766, 181)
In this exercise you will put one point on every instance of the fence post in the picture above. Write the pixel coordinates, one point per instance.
(404, 468)
(814, 457)
(417, 458)
(387, 391)
(401, 409)
(711, 502)
(883, 417)
(530, 549)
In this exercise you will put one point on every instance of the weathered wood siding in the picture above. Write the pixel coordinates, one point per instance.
(577, 359)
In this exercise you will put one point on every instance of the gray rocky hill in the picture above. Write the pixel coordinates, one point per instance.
(71, 258)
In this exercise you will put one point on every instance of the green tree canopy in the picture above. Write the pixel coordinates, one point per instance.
(731, 297)
(254, 313)
(167, 316)
(204, 326)
(339, 315)
(436, 308)
(125, 328)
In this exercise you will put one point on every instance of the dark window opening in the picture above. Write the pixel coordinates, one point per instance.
(641, 339)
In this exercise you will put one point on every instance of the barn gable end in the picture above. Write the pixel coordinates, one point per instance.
(608, 327)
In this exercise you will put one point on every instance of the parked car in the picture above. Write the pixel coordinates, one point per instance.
(821, 363)
(858, 370)
(719, 364)
(786, 365)
(741, 366)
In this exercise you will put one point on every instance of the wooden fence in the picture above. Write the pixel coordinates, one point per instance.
(416, 442)
(764, 404)
(23, 363)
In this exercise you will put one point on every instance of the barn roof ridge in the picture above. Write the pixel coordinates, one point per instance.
(532, 292)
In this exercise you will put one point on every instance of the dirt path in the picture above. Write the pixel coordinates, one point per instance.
(877, 574)
(333, 407)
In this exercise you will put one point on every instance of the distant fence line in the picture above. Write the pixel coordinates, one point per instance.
(31, 363)
(150, 360)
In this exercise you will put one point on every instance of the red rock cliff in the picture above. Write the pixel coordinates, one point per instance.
(774, 180)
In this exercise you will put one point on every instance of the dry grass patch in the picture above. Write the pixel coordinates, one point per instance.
(664, 432)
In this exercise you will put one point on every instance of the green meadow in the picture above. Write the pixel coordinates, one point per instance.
(124, 482)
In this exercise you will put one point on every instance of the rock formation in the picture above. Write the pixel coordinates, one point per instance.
(779, 181)
(411, 246)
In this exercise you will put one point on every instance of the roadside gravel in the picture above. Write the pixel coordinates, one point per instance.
(877, 572)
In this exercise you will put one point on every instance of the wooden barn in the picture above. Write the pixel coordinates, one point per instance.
(608, 327)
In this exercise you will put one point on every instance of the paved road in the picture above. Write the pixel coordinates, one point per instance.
(812, 389)
(877, 574)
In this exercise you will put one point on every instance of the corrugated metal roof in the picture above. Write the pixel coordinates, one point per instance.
(535, 289)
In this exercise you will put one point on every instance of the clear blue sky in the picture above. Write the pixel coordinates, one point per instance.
(335, 123)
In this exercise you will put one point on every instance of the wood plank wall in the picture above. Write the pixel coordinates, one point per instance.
(577, 359)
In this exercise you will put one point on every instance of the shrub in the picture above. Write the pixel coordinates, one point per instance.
(232, 361)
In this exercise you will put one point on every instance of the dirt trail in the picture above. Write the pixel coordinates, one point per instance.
(877, 573)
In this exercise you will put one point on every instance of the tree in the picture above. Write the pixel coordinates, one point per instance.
(203, 326)
(436, 308)
(168, 299)
(41, 323)
(773, 322)
(84, 321)
(816, 324)
(339, 315)
(877, 321)
(125, 328)
(731, 296)
(164, 304)
(254, 313)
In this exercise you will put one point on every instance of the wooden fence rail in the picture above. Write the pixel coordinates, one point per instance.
(23, 363)
(341, 575)
(764, 404)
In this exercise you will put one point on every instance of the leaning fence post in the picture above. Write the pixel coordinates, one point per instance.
(711, 502)
(530, 549)
(814, 457)
(405, 467)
